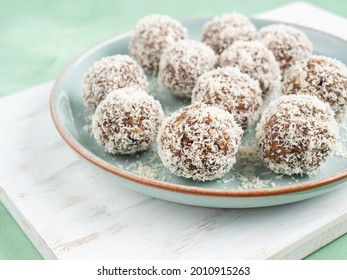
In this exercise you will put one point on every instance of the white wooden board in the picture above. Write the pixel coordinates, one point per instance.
(70, 210)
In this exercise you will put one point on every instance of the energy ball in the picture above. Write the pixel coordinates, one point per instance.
(152, 36)
(111, 73)
(222, 31)
(127, 121)
(287, 43)
(254, 59)
(231, 90)
(199, 142)
(296, 134)
(181, 65)
(321, 76)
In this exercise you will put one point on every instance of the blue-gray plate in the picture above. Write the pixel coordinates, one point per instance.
(249, 184)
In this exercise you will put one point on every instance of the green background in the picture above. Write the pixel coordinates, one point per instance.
(39, 37)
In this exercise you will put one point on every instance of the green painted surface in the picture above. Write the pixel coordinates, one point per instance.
(39, 37)
(14, 244)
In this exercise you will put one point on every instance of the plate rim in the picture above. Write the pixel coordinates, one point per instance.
(166, 186)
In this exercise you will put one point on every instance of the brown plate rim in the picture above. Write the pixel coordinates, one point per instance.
(182, 189)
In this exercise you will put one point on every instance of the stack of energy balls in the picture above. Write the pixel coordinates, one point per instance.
(227, 76)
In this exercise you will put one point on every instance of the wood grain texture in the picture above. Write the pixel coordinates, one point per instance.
(70, 210)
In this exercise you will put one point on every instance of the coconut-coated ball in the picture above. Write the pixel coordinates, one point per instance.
(231, 90)
(296, 134)
(254, 59)
(127, 121)
(199, 142)
(321, 76)
(222, 31)
(287, 43)
(111, 73)
(181, 65)
(152, 36)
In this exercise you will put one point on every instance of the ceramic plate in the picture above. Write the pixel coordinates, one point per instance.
(249, 184)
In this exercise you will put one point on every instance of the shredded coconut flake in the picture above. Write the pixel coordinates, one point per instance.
(252, 182)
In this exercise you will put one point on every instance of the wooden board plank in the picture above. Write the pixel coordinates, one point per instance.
(71, 210)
